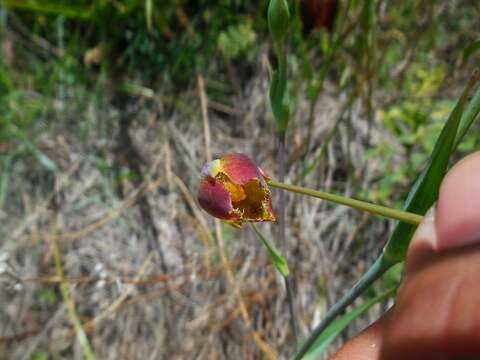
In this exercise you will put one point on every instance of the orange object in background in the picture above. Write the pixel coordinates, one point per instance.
(317, 14)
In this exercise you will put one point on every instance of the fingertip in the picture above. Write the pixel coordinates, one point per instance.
(364, 346)
(455, 219)
(458, 210)
(435, 315)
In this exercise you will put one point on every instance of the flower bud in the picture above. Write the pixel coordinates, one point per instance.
(317, 14)
(278, 19)
(234, 189)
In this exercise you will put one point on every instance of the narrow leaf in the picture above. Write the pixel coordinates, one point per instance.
(379, 267)
(277, 259)
(421, 197)
(42, 159)
(470, 50)
(279, 98)
(424, 191)
(336, 327)
(51, 8)
(469, 116)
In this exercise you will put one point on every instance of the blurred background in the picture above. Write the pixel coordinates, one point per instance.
(106, 111)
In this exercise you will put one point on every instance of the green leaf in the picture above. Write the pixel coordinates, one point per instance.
(274, 91)
(42, 159)
(424, 191)
(336, 327)
(236, 40)
(280, 101)
(148, 13)
(277, 259)
(471, 113)
(5, 169)
(470, 50)
(421, 197)
(56, 8)
(379, 267)
(39, 355)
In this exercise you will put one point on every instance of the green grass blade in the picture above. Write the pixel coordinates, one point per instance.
(424, 191)
(470, 50)
(379, 267)
(50, 8)
(148, 14)
(42, 159)
(5, 169)
(469, 116)
(421, 197)
(336, 327)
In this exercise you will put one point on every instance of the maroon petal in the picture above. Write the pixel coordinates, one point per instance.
(215, 199)
(240, 169)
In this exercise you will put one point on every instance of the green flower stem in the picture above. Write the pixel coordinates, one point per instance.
(387, 212)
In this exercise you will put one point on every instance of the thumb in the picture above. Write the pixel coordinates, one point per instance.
(436, 315)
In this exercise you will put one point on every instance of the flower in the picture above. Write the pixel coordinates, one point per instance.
(235, 189)
(317, 14)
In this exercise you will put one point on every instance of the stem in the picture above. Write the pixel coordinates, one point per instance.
(282, 118)
(281, 195)
(318, 156)
(264, 347)
(329, 58)
(282, 237)
(387, 212)
(380, 266)
(291, 308)
(282, 61)
(68, 301)
(313, 102)
(279, 262)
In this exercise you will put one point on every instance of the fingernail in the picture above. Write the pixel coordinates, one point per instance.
(430, 215)
(457, 218)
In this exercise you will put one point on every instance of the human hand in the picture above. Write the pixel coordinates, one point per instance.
(437, 313)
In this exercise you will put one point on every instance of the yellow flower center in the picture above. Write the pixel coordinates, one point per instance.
(249, 201)
(236, 191)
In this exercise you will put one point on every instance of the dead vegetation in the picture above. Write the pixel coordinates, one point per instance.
(144, 268)
(150, 274)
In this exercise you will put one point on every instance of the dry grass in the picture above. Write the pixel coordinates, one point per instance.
(145, 269)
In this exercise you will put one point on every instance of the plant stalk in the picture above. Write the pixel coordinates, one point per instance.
(288, 280)
(282, 237)
(406, 217)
